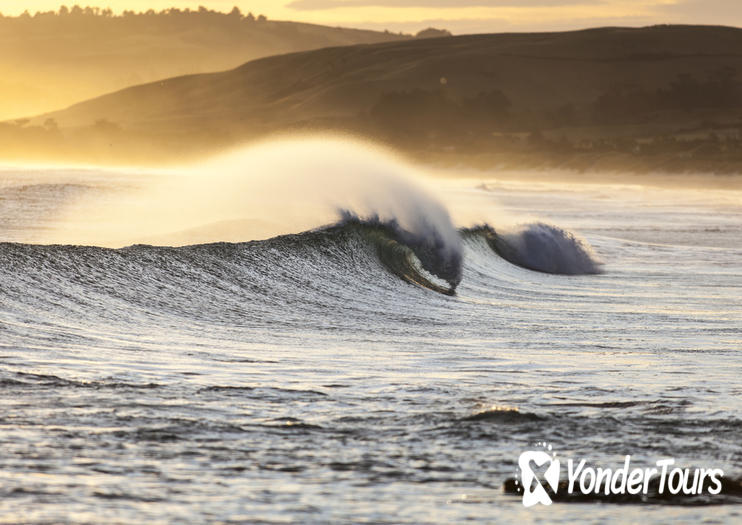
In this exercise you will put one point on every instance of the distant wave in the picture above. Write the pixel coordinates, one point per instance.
(503, 415)
(541, 247)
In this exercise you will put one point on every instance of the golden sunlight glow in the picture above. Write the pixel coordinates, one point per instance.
(459, 17)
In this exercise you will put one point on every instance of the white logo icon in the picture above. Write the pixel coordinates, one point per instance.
(601, 481)
(534, 493)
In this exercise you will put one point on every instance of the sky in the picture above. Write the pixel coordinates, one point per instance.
(458, 16)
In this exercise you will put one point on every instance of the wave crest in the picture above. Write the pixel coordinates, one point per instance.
(412, 255)
(543, 248)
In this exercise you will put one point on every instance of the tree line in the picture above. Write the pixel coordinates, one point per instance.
(78, 12)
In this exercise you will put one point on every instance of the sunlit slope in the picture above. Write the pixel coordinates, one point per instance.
(51, 61)
(654, 96)
(535, 71)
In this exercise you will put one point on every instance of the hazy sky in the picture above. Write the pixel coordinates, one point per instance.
(459, 16)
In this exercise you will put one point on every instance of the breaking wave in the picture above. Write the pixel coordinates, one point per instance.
(353, 256)
(541, 247)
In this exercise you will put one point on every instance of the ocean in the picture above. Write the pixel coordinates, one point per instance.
(389, 365)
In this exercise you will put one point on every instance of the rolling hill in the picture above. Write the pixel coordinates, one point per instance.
(662, 97)
(53, 59)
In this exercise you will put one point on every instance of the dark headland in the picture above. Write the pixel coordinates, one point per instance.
(661, 98)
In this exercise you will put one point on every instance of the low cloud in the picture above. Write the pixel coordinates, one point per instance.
(462, 26)
(718, 9)
(308, 5)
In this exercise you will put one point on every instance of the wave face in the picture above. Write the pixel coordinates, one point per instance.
(543, 248)
(405, 252)
(305, 273)
(352, 262)
(355, 253)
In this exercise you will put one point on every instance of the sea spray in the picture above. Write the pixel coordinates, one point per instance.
(272, 188)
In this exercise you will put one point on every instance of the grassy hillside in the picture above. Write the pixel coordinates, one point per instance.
(665, 97)
(51, 60)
